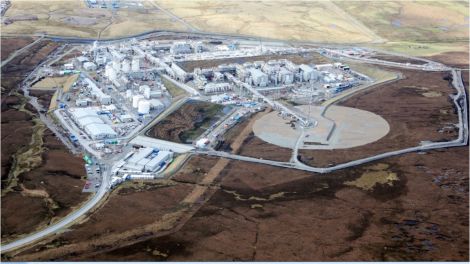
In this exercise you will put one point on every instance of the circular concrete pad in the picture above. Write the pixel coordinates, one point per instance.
(339, 127)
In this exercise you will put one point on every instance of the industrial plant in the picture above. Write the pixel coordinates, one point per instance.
(121, 89)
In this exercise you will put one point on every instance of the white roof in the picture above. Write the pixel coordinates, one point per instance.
(143, 153)
(90, 120)
(89, 63)
(82, 58)
(155, 103)
(95, 90)
(214, 85)
(161, 156)
(257, 73)
(78, 113)
(100, 129)
(305, 68)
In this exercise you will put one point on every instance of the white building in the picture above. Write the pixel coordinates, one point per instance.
(81, 102)
(179, 73)
(95, 91)
(88, 120)
(161, 159)
(180, 48)
(100, 131)
(258, 77)
(307, 72)
(156, 104)
(285, 76)
(89, 66)
(217, 88)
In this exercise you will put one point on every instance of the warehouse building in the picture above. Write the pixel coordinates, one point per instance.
(148, 160)
(88, 120)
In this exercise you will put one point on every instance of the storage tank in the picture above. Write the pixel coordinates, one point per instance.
(135, 64)
(126, 66)
(136, 99)
(144, 107)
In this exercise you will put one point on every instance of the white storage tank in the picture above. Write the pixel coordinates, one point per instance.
(144, 107)
(126, 66)
(136, 99)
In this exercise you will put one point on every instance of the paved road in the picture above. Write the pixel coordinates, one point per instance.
(64, 222)
(431, 66)
(306, 121)
(462, 140)
(459, 100)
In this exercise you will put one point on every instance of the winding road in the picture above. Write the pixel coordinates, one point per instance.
(460, 101)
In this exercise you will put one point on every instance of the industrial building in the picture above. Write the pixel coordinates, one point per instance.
(96, 92)
(148, 160)
(211, 88)
(89, 66)
(88, 120)
(180, 48)
(258, 77)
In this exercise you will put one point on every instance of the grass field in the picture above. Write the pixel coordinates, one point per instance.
(413, 21)
(73, 18)
(174, 90)
(299, 20)
(421, 28)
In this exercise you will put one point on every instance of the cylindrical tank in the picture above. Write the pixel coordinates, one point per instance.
(126, 66)
(135, 64)
(136, 99)
(144, 107)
